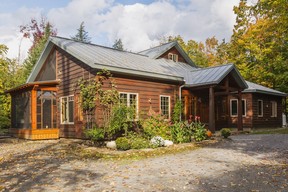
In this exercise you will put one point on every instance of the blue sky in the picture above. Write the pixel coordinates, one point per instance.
(140, 24)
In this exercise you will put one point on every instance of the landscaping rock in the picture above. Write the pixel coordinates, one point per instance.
(168, 143)
(111, 145)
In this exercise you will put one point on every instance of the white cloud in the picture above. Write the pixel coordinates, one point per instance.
(138, 25)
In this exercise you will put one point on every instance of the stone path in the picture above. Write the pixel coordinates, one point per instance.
(244, 163)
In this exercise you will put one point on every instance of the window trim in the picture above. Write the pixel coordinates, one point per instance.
(243, 110)
(262, 105)
(274, 109)
(173, 57)
(169, 105)
(128, 103)
(67, 123)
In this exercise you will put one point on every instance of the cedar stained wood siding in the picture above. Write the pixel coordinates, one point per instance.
(70, 70)
(267, 120)
(247, 120)
(173, 51)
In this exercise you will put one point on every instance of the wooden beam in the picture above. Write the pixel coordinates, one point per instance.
(224, 93)
(211, 110)
(34, 107)
(240, 111)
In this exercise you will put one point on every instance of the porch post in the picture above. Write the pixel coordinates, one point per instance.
(240, 111)
(34, 107)
(211, 110)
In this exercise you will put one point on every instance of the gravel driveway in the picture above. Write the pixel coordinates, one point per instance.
(243, 163)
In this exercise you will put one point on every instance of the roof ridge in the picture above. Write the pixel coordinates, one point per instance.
(158, 46)
(102, 46)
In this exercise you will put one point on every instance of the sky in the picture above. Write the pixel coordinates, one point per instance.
(140, 24)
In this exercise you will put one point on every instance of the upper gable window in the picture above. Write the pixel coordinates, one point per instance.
(173, 57)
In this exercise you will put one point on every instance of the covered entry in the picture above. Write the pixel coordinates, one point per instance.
(34, 111)
(206, 95)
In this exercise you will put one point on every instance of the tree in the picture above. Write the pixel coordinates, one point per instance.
(38, 33)
(259, 43)
(82, 34)
(10, 76)
(118, 45)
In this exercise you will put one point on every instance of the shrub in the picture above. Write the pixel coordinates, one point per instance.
(177, 111)
(156, 126)
(95, 134)
(180, 133)
(225, 132)
(199, 131)
(139, 143)
(122, 143)
(119, 122)
(157, 141)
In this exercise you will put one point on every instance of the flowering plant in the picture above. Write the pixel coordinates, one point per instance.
(157, 141)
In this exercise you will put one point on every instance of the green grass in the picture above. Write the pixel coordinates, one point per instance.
(271, 131)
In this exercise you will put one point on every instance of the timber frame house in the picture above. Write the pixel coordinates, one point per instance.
(47, 106)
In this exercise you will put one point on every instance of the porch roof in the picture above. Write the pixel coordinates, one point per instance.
(31, 84)
(213, 76)
(256, 88)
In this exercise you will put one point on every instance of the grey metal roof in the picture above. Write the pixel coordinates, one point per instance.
(100, 57)
(213, 76)
(256, 88)
(156, 52)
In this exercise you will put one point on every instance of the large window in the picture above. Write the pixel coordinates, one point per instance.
(67, 109)
(165, 106)
(260, 108)
(21, 110)
(234, 107)
(273, 109)
(130, 100)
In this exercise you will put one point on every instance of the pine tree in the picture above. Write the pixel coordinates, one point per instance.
(82, 34)
(118, 45)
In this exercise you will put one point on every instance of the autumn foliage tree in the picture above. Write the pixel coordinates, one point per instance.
(38, 32)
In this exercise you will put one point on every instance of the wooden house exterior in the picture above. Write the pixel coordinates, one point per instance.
(153, 79)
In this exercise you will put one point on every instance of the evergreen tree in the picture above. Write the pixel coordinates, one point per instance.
(82, 34)
(118, 45)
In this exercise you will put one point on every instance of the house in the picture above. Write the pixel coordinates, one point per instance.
(47, 106)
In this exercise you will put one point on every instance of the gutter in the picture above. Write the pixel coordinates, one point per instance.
(180, 99)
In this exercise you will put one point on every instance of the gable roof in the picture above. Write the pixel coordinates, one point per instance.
(156, 52)
(256, 88)
(99, 57)
(213, 76)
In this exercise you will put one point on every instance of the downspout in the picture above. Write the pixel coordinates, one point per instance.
(180, 99)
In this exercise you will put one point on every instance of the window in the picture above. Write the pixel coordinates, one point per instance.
(173, 57)
(234, 107)
(67, 109)
(165, 106)
(260, 108)
(273, 109)
(130, 100)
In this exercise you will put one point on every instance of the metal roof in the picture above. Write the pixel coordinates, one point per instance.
(156, 52)
(100, 57)
(256, 88)
(213, 76)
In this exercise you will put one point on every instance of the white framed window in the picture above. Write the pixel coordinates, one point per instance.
(67, 109)
(165, 106)
(234, 107)
(173, 57)
(273, 109)
(260, 108)
(130, 100)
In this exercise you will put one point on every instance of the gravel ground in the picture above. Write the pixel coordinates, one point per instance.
(242, 163)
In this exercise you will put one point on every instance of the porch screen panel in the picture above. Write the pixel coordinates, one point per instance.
(21, 111)
(46, 109)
